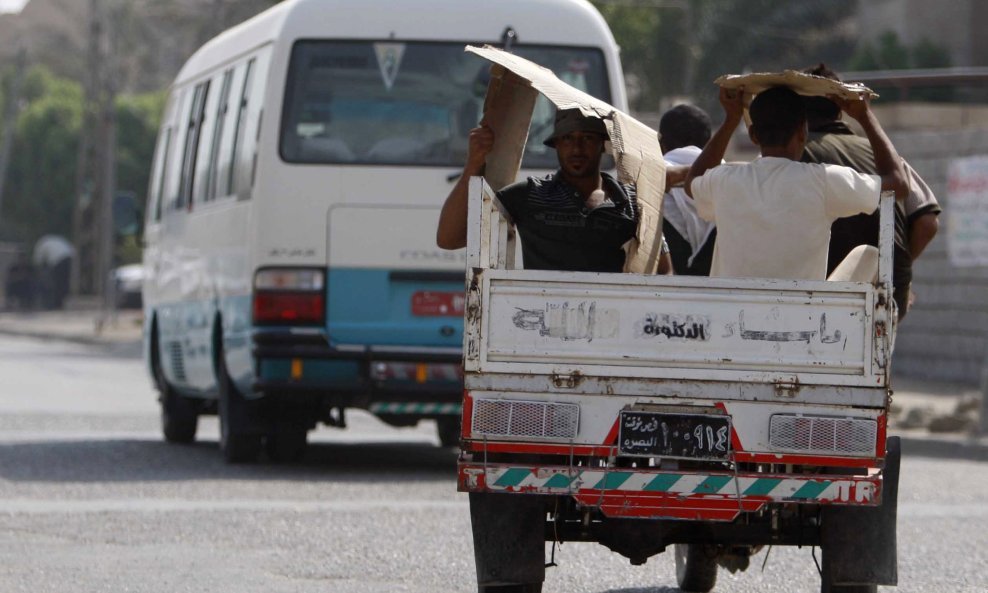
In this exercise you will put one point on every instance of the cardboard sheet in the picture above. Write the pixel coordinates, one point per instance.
(508, 109)
(804, 84)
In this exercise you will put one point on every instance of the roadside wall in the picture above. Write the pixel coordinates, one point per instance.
(945, 335)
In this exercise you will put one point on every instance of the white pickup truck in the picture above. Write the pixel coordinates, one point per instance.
(640, 411)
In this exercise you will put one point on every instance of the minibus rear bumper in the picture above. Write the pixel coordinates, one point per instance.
(302, 361)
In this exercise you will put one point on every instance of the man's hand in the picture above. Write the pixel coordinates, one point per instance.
(855, 108)
(481, 142)
(888, 164)
(732, 100)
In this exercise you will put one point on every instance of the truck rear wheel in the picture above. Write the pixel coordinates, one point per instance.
(696, 568)
(508, 541)
(859, 543)
(529, 588)
(448, 430)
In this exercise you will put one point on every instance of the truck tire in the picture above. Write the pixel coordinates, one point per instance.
(508, 541)
(846, 531)
(529, 588)
(179, 415)
(696, 568)
(237, 444)
(448, 430)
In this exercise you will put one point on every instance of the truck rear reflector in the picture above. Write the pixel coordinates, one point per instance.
(822, 434)
(513, 418)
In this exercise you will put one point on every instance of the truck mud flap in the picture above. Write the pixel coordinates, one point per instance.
(508, 538)
(859, 543)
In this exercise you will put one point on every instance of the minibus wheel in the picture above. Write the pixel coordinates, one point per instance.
(179, 415)
(236, 444)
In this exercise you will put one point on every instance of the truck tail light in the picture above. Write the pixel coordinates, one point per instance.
(289, 296)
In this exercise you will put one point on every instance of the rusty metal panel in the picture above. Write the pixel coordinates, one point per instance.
(658, 325)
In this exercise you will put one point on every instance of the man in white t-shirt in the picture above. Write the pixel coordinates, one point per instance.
(774, 214)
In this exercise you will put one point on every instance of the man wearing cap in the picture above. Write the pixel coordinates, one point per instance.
(576, 219)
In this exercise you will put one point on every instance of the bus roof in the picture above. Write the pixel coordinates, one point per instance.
(541, 22)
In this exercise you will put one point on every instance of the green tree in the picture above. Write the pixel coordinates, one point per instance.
(678, 47)
(138, 118)
(889, 53)
(41, 177)
(41, 192)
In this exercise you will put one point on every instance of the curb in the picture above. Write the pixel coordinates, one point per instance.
(87, 340)
(946, 447)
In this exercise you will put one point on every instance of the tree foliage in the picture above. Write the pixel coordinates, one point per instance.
(889, 53)
(675, 49)
(41, 174)
(40, 194)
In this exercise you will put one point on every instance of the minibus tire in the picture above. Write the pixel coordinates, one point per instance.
(236, 445)
(179, 415)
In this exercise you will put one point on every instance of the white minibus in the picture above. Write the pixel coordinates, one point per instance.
(290, 260)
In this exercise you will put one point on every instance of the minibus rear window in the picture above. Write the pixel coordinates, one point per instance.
(404, 103)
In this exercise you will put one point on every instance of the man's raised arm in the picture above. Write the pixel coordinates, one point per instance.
(888, 163)
(713, 153)
(452, 230)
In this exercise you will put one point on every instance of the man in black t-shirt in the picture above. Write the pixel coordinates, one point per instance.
(576, 219)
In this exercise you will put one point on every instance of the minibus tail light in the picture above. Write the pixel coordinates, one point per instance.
(289, 296)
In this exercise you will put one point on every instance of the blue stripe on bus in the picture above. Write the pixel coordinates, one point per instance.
(366, 307)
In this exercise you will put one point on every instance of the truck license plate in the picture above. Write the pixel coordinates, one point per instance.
(691, 436)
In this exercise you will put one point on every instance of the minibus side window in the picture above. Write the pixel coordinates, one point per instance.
(157, 184)
(171, 183)
(219, 121)
(204, 158)
(226, 134)
(241, 122)
(193, 129)
(252, 108)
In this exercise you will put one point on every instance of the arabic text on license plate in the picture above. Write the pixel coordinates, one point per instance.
(692, 436)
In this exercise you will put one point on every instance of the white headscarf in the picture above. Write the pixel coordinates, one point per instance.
(678, 208)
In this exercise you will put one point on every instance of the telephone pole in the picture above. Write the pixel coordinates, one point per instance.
(92, 220)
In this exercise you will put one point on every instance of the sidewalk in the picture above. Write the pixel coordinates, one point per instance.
(81, 321)
(932, 418)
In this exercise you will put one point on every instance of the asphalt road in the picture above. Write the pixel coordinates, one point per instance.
(92, 500)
